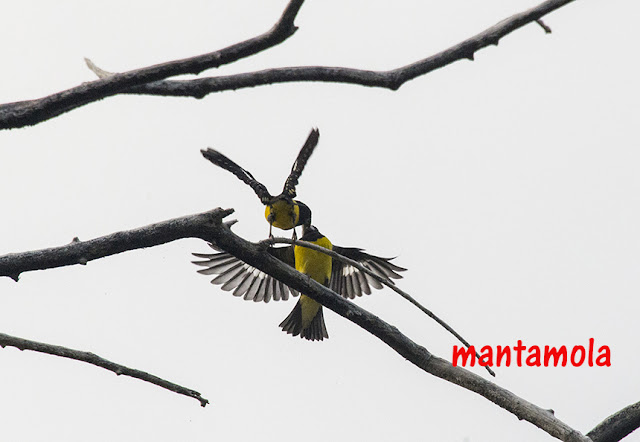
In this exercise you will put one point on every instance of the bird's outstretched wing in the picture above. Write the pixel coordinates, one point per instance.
(252, 284)
(247, 281)
(290, 184)
(244, 175)
(289, 189)
(350, 282)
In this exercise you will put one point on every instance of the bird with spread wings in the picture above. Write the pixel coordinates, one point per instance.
(282, 211)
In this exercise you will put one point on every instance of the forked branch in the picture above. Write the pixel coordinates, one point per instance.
(209, 227)
(26, 113)
(152, 80)
(391, 79)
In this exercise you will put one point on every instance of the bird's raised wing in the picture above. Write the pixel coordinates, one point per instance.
(244, 175)
(247, 281)
(349, 282)
(290, 184)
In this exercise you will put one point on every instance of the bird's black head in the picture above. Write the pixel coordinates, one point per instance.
(304, 217)
(310, 233)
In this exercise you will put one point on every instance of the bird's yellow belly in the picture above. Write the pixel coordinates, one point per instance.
(316, 265)
(285, 215)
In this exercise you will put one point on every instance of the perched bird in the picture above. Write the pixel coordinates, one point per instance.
(281, 211)
(306, 318)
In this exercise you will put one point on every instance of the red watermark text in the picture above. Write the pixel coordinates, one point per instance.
(534, 356)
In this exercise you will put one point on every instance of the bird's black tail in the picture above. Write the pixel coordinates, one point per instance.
(292, 324)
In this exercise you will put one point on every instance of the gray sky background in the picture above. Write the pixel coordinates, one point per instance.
(508, 186)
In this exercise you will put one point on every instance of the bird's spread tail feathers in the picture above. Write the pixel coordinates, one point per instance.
(293, 324)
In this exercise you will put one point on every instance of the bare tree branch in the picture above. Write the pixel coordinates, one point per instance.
(256, 256)
(617, 426)
(209, 226)
(392, 79)
(147, 80)
(24, 113)
(382, 280)
(64, 352)
(81, 252)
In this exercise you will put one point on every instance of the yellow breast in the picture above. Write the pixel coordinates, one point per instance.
(285, 215)
(315, 264)
(318, 266)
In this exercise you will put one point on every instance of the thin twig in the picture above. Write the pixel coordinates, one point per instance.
(24, 113)
(544, 26)
(100, 73)
(379, 278)
(90, 358)
(391, 79)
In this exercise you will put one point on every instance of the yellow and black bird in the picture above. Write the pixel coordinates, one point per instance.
(281, 211)
(306, 318)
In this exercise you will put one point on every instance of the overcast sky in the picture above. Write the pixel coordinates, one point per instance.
(508, 187)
